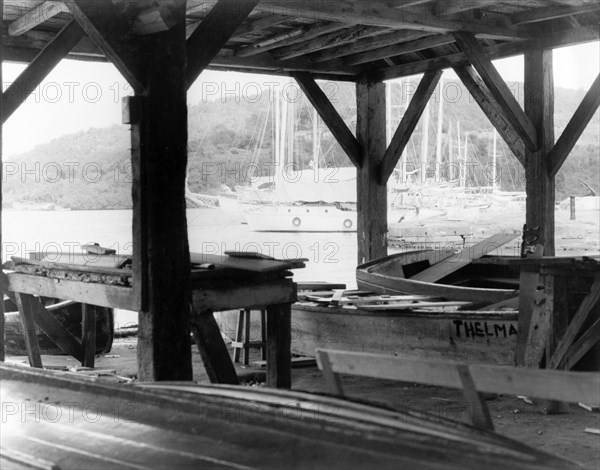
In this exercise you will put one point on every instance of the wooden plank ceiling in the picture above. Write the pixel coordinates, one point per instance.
(341, 39)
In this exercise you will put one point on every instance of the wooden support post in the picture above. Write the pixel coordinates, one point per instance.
(539, 107)
(557, 305)
(207, 336)
(279, 340)
(2, 322)
(88, 335)
(28, 325)
(371, 227)
(161, 249)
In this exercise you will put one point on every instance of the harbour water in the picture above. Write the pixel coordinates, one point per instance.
(331, 257)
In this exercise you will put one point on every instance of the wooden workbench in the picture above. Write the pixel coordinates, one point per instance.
(222, 283)
(563, 321)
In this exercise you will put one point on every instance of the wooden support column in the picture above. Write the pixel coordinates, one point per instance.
(2, 325)
(279, 356)
(539, 107)
(161, 249)
(371, 195)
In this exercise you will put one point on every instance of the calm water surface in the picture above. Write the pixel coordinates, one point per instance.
(331, 256)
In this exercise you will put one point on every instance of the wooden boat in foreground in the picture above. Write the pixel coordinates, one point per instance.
(399, 274)
(76, 423)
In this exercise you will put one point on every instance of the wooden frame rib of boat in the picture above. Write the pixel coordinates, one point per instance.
(51, 420)
(482, 285)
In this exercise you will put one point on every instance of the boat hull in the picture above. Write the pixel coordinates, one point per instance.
(392, 275)
(70, 318)
(58, 421)
(301, 218)
(487, 337)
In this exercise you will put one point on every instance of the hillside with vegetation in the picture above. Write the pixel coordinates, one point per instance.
(232, 142)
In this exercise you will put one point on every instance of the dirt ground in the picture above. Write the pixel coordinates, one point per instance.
(560, 434)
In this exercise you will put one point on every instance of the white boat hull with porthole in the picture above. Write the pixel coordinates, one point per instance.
(301, 218)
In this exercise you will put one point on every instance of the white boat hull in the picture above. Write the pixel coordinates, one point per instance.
(301, 218)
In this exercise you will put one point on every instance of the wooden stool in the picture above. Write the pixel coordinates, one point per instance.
(242, 337)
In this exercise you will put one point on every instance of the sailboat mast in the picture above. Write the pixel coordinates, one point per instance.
(451, 169)
(440, 122)
(425, 143)
(463, 174)
(315, 139)
(494, 160)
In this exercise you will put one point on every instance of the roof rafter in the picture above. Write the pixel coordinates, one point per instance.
(35, 17)
(398, 49)
(377, 14)
(326, 41)
(291, 37)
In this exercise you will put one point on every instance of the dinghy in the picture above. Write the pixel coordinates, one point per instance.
(443, 274)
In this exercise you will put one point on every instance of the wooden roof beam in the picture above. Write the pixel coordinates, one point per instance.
(40, 67)
(325, 41)
(260, 24)
(577, 124)
(398, 49)
(266, 62)
(492, 110)
(108, 28)
(291, 37)
(545, 14)
(213, 33)
(36, 16)
(330, 117)
(376, 14)
(408, 124)
(498, 88)
(497, 51)
(367, 44)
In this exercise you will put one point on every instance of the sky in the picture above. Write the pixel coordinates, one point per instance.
(79, 95)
